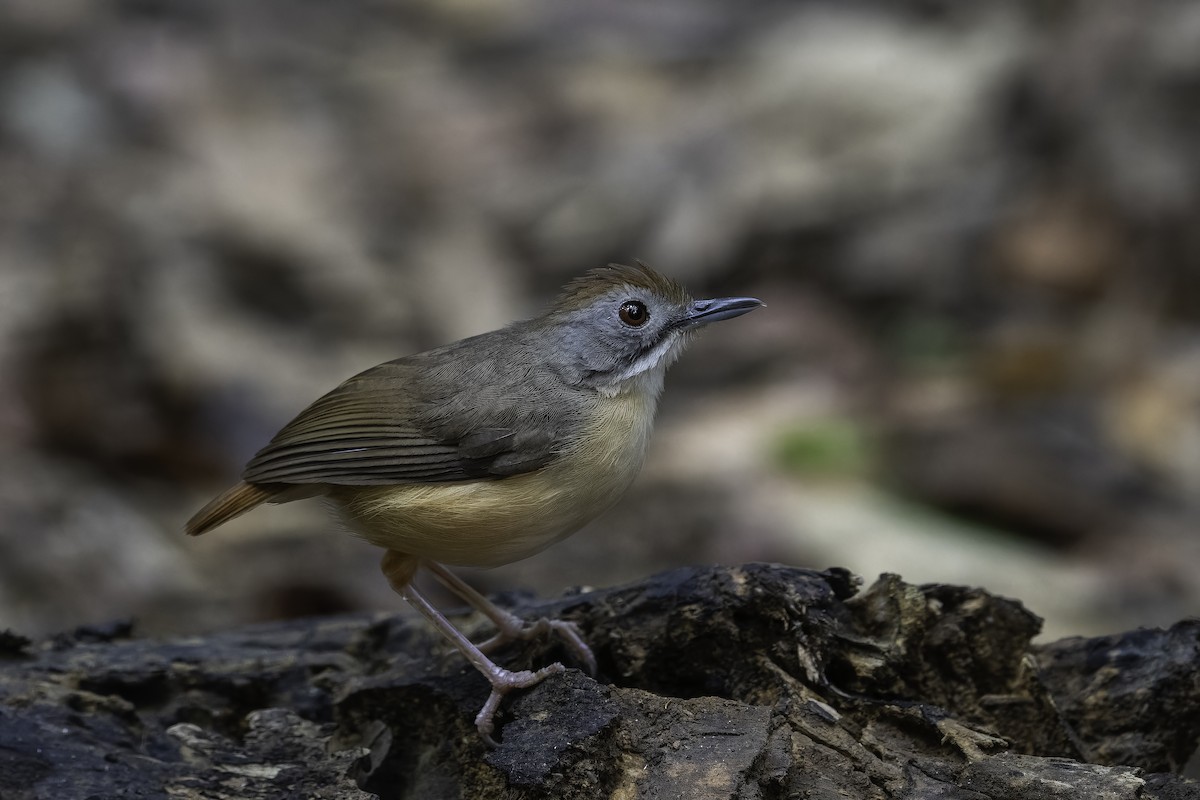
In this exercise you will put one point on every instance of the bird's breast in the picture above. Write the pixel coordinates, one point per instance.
(494, 522)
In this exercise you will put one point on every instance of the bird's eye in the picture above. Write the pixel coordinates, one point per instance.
(633, 312)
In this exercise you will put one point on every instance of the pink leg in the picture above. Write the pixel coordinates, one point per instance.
(399, 569)
(510, 625)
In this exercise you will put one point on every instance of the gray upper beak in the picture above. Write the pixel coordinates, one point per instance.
(703, 312)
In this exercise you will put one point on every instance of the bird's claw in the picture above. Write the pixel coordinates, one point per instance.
(504, 681)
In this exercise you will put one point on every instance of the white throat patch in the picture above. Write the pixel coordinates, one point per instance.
(648, 370)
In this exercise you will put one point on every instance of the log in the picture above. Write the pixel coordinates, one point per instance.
(729, 683)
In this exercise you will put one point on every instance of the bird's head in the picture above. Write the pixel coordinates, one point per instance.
(618, 327)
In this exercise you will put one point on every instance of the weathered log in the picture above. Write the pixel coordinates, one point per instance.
(752, 682)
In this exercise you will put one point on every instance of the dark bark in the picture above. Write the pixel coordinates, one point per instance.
(751, 682)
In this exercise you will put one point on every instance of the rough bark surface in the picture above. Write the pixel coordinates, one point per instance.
(724, 683)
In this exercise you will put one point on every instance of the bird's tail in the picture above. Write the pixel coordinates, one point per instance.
(233, 502)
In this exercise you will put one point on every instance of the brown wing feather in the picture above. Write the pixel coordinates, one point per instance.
(378, 428)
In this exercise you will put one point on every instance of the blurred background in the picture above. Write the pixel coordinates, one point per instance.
(975, 226)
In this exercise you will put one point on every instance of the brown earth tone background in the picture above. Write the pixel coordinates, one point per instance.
(974, 226)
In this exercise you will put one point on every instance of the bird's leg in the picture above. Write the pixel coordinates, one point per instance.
(511, 627)
(399, 569)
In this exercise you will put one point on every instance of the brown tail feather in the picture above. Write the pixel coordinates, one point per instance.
(232, 502)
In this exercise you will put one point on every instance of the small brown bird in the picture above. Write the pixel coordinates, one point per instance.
(490, 449)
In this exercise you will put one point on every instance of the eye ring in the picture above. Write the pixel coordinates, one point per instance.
(634, 313)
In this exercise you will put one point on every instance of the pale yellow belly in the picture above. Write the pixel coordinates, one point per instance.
(489, 523)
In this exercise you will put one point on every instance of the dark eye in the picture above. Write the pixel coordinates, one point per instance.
(633, 312)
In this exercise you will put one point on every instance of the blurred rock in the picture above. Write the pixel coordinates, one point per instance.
(1012, 472)
(74, 548)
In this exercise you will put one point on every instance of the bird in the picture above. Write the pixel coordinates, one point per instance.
(487, 450)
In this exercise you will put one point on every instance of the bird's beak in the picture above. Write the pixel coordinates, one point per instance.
(703, 312)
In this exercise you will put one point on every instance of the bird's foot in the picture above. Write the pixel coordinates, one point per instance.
(504, 681)
(513, 629)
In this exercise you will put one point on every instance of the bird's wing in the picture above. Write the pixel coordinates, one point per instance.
(375, 429)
